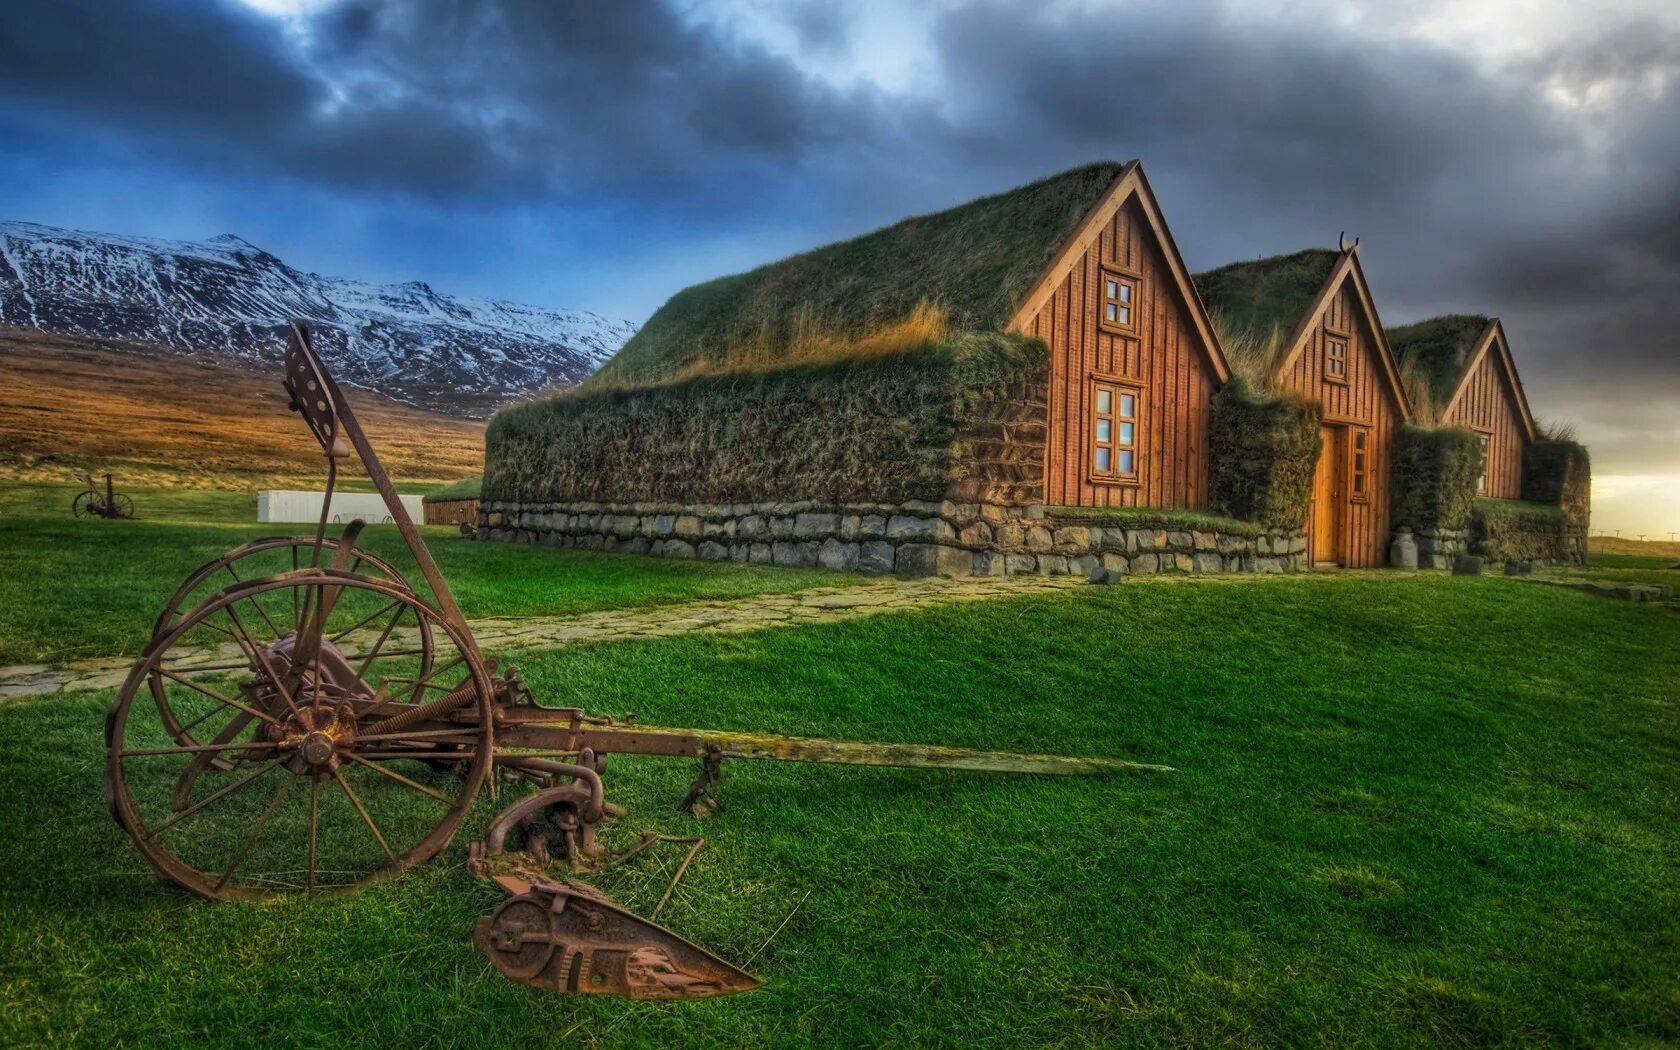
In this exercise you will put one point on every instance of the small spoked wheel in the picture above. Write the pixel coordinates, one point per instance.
(121, 507)
(85, 505)
(268, 556)
(323, 754)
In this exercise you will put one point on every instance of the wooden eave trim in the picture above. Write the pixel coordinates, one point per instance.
(1346, 266)
(1131, 180)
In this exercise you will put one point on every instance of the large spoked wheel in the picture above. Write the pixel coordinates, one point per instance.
(268, 556)
(340, 759)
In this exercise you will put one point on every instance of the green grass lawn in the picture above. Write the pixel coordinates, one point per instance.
(1621, 568)
(1410, 810)
(87, 587)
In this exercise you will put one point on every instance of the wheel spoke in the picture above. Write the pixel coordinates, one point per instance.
(198, 749)
(314, 808)
(209, 799)
(335, 639)
(212, 694)
(278, 633)
(262, 658)
(384, 636)
(464, 735)
(357, 802)
(399, 778)
(251, 840)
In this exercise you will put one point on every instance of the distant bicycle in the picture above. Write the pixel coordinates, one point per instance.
(91, 503)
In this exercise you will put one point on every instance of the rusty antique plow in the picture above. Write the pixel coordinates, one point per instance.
(306, 718)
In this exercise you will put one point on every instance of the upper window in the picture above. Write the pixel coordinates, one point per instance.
(1481, 478)
(1114, 412)
(1361, 464)
(1119, 301)
(1335, 358)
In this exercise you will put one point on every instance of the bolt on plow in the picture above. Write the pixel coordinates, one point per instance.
(307, 719)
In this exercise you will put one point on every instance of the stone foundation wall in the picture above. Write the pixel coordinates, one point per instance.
(1438, 547)
(914, 538)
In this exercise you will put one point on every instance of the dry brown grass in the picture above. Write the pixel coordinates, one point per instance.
(1637, 548)
(69, 404)
(1415, 380)
(1255, 356)
(815, 341)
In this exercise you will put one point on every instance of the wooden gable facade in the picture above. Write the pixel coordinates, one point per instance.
(1339, 356)
(1329, 345)
(1490, 401)
(1134, 360)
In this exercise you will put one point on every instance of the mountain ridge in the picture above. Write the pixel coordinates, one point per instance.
(227, 297)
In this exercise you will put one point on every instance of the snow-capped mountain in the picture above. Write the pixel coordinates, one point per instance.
(227, 297)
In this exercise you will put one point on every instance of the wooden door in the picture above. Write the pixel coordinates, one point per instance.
(1324, 537)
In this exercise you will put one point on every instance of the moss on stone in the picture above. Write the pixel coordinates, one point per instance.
(1170, 518)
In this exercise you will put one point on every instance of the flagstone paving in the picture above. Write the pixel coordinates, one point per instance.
(822, 605)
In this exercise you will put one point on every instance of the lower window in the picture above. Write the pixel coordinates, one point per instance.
(1114, 419)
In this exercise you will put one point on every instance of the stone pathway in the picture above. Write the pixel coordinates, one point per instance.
(499, 636)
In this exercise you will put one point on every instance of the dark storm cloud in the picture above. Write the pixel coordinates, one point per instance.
(1472, 190)
(478, 98)
(1547, 192)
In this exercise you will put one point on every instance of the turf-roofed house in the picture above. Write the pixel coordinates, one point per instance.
(1485, 479)
(1472, 382)
(1023, 383)
(1308, 329)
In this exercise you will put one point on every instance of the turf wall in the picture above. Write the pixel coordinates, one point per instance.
(963, 419)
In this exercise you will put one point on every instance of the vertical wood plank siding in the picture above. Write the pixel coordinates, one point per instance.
(1488, 404)
(1365, 400)
(1164, 360)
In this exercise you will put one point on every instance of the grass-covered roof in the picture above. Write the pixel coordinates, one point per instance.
(466, 488)
(976, 261)
(1439, 349)
(1266, 295)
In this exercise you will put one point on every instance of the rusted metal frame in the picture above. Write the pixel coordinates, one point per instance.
(347, 426)
(536, 729)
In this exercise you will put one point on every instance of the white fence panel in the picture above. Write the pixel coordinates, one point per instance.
(291, 505)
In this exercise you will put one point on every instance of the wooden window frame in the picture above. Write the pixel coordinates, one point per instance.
(1487, 454)
(1355, 474)
(1331, 335)
(1122, 279)
(1118, 387)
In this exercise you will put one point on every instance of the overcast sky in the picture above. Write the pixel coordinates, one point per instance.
(1517, 158)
